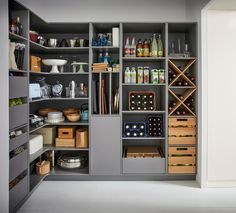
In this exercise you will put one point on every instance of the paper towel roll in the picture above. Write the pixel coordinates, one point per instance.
(115, 36)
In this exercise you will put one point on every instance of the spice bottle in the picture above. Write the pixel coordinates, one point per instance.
(139, 49)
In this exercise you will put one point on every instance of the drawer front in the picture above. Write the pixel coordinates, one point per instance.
(182, 160)
(182, 140)
(182, 131)
(183, 151)
(182, 169)
(175, 122)
(143, 165)
(18, 116)
(18, 164)
(18, 193)
(18, 141)
(18, 87)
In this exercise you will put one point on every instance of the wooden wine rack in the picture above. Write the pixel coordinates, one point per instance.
(189, 90)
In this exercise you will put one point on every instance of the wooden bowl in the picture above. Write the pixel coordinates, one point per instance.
(44, 112)
(71, 111)
(74, 117)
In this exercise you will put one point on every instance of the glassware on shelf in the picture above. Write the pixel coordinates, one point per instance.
(186, 51)
(109, 39)
(45, 89)
(82, 90)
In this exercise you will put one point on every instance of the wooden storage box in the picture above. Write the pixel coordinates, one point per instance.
(182, 122)
(48, 133)
(35, 63)
(182, 131)
(81, 138)
(66, 132)
(143, 152)
(182, 140)
(182, 160)
(65, 142)
(43, 168)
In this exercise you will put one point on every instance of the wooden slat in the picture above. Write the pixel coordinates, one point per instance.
(181, 151)
(181, 160)
(182, 140)
(182, 131)
(182, 169)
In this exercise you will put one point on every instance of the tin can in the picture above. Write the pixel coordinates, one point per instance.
(161, 76)
(154, 76)
(146, 75)
(140, 75)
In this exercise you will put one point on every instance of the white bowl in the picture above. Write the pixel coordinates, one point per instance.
(54, 63)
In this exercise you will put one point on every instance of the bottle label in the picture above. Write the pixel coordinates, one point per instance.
(127, 51)
(140, 52)
(146, 52)
(154, 53)
(160, 53)
(133, 52)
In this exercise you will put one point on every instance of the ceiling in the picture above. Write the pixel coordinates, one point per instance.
(223, 5)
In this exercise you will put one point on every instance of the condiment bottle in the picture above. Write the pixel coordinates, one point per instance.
(133, 48)
(160, 46)
(140, 75)
(139, 49)
(127, 48)
(127, 75)
(146, 75)
(146, 48)
(133, 76)
(154, 46)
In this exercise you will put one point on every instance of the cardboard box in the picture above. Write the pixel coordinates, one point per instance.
(48, 133)
(62, 142)
(35, 63)
(81, 138)
(66, 132)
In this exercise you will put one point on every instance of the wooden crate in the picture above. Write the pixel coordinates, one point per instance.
(143, 152)
(66, 132)
(188, 151)
(182, 140)
(182, 131)
(182, 122)
(62, 142)
(182, 169)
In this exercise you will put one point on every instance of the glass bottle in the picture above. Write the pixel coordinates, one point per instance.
(160, 46)
(139, 49)
(133, 76)
(146, 75)
(154, 46)
(127, 75)
(133, 48)
(107, 58)
(19, 27)
(146, 48)
(140, 75)
(100, 58)
(127, 48)
(186, 51)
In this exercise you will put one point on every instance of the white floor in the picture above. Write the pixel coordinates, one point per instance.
(129, 197)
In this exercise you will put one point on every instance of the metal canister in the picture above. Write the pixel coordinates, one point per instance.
(161, 76)
(140, 75)
(146, 75)
(154, 76)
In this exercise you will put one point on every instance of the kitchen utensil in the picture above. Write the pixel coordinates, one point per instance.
(72, 87)
(52, 42)
(84, 112)
(72, 42)
(33, 36)
(54, 63)
(44, 112)
(71, 161)
(57, 89)
(81, 64)
(63, 43)
(41, 40)
(55, 117)
(71, 111)
(73, 117)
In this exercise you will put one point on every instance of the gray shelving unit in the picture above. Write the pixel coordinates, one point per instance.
(106, 140)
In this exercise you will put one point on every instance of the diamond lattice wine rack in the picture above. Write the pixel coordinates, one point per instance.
(182, 87)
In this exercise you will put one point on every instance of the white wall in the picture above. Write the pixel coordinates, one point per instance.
(221, 70)
(108, 10)
(4, 141)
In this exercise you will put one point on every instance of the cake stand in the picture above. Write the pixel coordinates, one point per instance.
(54, 63)
(80, 64)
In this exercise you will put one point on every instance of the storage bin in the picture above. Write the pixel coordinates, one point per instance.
(48, 133)
(18, 193)
(62, 142)
(143, 165)
(182, 140)
(35, 143)
(18, 115)
(66, 132)
(18, 164)
(182, 131)
(18, 87)
(81, 138)
(182, 122)
(18, 141)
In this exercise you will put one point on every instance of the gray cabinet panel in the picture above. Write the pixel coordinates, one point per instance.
(105, 146)
(18, 141)
(18, 116)
(18, 193)
(18, 164)
(18, 87)
(143, 165)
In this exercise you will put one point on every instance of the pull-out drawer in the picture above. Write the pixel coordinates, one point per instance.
(18, 116)
(18, 87)
(18, 141)
(18, 193)
(18, 164)
(182, 169)
(143, 165)
(182, 122)
(181, 151)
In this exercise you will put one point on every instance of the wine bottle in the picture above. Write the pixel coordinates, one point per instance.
(188, 104)
(183, 112)
(181, 97)
(179, 83)
(185, 83)
(178, 112)
(160, 52)
(173, 103)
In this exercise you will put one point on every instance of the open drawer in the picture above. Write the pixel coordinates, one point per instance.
(18, 116)
(18, 141)
(143, 165)
(18, 87)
